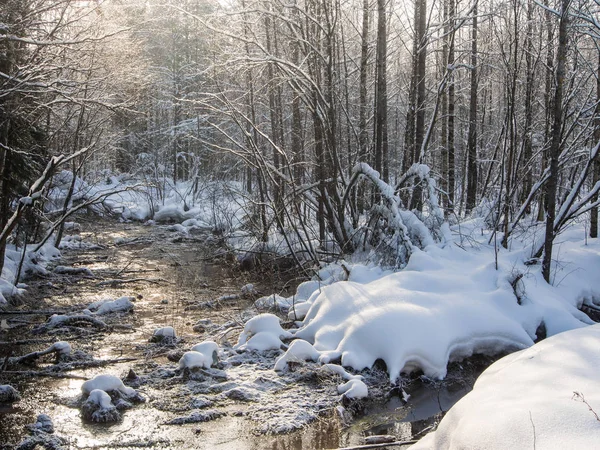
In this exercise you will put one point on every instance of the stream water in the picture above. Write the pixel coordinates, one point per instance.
(177, 280)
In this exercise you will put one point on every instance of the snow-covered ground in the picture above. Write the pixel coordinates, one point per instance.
(544, 397)
(453, 299)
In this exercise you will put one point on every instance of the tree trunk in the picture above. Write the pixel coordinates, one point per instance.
(451, 109)
(596, 166)
(472, 136)
(551, 186)
(381, 131)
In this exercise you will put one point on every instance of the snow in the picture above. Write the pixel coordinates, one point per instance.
(107, 383)
(108, 306)
(61, 347)
(100, 398)
(195, 360)
(447, 304)
(532, 396)
(164, 333)
(98, 407)
(207, 347)
(262, 333)
(8, 394)
(298, 350)
(44, 423)
(354, 389)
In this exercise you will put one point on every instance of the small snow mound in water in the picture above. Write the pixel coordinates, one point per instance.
(108, 306)
(8, 394)
(262, 333)
(299, 350)
(43, 423)
(164, 334)
(209, 351)
(195, 360)
(99, 407)
(354, 387)
(532, 396)
(107, 383)
(61, 347)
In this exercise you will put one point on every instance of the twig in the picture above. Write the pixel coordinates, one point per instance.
(581, 398)
(533, 426)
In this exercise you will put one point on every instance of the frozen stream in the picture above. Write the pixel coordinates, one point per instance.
(178, 281)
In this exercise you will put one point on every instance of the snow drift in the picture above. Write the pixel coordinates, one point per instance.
(533, 398)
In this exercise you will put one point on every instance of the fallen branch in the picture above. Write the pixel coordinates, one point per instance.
(32, 313)
(62, 321)
(114, 281)
(385, 444)
(40, 373)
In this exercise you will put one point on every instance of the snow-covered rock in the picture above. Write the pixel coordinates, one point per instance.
(209, 349)
(108, 306)
(98, 407)
(262, 332)
(195, 360)
(8, 394)
(545, 397)
(298, 350)
(164, 335)
(108, 383)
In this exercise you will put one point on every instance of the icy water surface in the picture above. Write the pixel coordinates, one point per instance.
(178, 280)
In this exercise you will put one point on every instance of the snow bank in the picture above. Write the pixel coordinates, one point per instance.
(539, 397)
(34, 263)
(446, 305)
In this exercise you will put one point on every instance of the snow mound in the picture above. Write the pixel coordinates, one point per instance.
(108, 383)
(262, 333)
(62, 348)
(99, 408)
(43, 423)
(274, 302)
(108, 306)
(164, 335)
(298, 350)
(8, 394)
(413, 320)
(195, 360)
(541, 395)
(209, 349)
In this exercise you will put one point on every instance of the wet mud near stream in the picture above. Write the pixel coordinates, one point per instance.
(178, 280)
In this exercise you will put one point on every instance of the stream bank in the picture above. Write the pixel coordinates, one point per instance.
(185, 281)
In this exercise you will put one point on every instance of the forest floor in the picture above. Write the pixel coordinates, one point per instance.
(190, 283)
